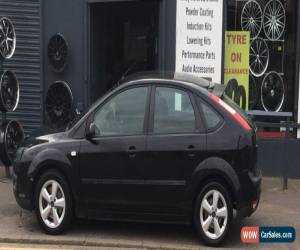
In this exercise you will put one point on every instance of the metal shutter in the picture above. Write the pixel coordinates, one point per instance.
(26, 62)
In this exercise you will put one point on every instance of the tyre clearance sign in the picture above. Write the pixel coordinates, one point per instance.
(199, 38)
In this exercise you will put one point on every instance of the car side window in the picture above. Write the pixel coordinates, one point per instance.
(212, 118)
(174, 112)
(122, 115)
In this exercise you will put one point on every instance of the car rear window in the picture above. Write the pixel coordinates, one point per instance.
(212, 118)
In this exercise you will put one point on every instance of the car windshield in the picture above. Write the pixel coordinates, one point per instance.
(80, 114)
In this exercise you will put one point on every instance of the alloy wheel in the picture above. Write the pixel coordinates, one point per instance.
(259, 57)
(9, 91)
(213, 214)
(274, 20)
(11, 139)
(52, 204)
(7, 38)
(59, 104)
(58, 52)
(272, 92)
(251, 18)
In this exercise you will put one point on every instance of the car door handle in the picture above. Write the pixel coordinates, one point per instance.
(132, 148)
(191, 148)
(132, 152)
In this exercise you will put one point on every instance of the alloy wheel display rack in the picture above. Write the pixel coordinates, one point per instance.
(11, 132)
(266, 22)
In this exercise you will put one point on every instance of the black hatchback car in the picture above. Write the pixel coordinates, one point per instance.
(160, 147)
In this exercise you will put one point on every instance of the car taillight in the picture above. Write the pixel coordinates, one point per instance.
(232, 112)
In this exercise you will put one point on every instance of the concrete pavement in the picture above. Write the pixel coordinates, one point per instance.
(51, 247)
(277, 208)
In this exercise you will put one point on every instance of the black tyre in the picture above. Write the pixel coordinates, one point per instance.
(213, 213)
(231, 88)
(53, 202)
(240, 97)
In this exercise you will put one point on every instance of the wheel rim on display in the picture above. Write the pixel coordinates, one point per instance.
(7, 38)
(58, 52)
(52, 204)
(272, 92)
(12, 139)
(10, 91)
(251, 18)
(259, 57)
(213, 214)
(59, 104)
(274, 20)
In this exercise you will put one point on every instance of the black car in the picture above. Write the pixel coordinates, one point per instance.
(166, 148)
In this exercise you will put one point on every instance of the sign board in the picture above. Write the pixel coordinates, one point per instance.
(199, 38)
(236, 66)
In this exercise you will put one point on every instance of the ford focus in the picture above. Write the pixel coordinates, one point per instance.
(161, 147)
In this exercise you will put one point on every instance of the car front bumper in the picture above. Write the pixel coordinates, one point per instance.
(23, 198)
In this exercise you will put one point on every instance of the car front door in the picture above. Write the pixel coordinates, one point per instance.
(110, 162)
(175, 146)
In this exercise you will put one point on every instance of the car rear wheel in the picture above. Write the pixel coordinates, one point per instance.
(53, 203)
(213, 213)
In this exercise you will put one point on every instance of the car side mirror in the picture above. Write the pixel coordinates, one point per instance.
(91, 131)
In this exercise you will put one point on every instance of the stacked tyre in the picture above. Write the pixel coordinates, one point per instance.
(11, 132)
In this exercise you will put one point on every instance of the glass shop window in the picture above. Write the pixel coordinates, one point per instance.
(272, 28)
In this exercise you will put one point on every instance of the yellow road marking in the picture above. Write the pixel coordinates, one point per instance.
(31, 248)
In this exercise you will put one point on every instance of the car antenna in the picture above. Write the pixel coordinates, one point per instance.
(125, 74)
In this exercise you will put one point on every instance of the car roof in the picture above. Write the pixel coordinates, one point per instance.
(170, 76)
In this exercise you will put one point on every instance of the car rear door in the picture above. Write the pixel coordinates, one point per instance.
(175, 146)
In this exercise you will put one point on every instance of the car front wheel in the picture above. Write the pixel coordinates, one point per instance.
(53, 203)
(213, 213)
